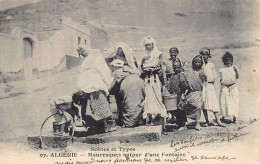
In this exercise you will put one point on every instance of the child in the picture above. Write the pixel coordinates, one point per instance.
(209, 96)
(229, 97)
(191, 89)
(174, 53)
(174, 86)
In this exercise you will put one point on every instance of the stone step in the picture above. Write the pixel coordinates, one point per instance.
(123, 135)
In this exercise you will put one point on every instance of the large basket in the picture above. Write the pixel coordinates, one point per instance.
(170, 102)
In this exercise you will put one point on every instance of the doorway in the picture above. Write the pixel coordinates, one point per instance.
(28, 55)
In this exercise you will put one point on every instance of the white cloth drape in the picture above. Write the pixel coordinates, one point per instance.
(94, 73)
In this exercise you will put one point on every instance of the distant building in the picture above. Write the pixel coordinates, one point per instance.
(44, 43)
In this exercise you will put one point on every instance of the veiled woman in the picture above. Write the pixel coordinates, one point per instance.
(152, 67)
(129, 87)
(93, 84)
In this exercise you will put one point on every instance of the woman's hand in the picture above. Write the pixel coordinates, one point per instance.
(166, 83)
(183, 97)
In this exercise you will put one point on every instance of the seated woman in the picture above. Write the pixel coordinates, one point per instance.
(129, 87)
(129, 94)
(93, 84)
(123, 51)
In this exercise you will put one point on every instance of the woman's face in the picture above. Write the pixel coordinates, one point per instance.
(120, 54)
(173, 55)
(177, 69)
(149, 47)
(205, 57)
(228, 62)
(197, 63)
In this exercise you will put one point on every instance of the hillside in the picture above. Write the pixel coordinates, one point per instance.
(181, 23)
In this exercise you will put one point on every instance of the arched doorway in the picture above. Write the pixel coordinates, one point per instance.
(28, 54)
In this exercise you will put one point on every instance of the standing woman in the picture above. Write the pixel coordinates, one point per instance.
(229, 96)
(209, 95)
(152, 67)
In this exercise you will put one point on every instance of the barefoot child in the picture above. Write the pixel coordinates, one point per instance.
(191, 88)
(209, 95)
(229, 97)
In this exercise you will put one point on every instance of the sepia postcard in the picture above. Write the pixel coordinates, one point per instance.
(129, 81)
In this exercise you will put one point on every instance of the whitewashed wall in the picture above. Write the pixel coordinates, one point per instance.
(47, 54)
(11, 49)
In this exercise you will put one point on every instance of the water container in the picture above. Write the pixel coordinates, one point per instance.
(113, 106)
(170, 102)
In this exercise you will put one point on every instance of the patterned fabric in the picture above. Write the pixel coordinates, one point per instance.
(193, 80)
(195, 99)
(94, 104)
(174, 84)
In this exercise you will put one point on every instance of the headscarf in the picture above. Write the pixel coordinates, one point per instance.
(150, 56)
(149, 40)
(205, 51)
(117, 63)
(198, 57)
(129, 55)
(94, 62)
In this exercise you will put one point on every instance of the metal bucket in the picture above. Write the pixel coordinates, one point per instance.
(170, 102)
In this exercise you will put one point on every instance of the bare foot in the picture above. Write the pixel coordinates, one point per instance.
(220, 124)
(182, 128)
(213, 124)
(197, 127)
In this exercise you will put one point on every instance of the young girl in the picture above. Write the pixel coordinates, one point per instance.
(229, 97)
(209, 95)
(191, 89)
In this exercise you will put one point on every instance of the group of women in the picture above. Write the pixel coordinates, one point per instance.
(138, 88)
